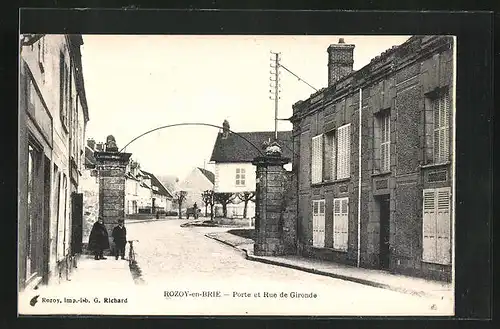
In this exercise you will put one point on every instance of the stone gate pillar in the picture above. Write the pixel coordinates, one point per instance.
(269, 202)
(111, 167)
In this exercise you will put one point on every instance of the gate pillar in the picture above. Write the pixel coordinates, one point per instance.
(270, 202)
(111, 166)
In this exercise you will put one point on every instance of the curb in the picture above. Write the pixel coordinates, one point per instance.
(329, 274)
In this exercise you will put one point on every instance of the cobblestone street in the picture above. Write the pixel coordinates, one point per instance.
(173, 258)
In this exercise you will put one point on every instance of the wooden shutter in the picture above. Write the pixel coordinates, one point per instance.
(443, 225)
(429, 226)
(445, 128)
(334, 156)
(315, 223)
(340, 223)
(321, 224)
(345, 222)
(385, 151)
(343, 152)
(317, 159)
(337, 231)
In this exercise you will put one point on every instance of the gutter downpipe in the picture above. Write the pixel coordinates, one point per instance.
(359, 177)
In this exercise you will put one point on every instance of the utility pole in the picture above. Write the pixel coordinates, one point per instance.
(275, 83)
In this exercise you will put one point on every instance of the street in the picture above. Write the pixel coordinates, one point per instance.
(175, 259)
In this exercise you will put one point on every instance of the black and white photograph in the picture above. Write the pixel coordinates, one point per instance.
(235, 175)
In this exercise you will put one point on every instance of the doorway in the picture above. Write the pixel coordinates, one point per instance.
(384, 242)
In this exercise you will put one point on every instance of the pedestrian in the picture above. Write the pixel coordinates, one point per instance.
(195, 210)
(157, 215)
(120, 239)
(98, 239)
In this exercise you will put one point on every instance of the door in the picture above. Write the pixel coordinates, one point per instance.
(77, 222)
(384, 232)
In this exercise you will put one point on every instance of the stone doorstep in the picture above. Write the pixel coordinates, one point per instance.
(338, 271)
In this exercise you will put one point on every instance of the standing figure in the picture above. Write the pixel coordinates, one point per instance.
(98, 239)
(120, 239)
(195, 210)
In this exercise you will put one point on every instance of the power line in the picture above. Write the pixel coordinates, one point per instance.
(295, 75)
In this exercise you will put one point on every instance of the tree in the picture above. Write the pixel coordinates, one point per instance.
(179, 198)
(245, 197)
(208, 200)
(224, 199)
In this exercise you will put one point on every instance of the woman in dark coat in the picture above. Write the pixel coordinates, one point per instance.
(98, 240)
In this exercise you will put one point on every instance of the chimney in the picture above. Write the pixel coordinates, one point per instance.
(225, 129)
(91, 143)
(340, 61)
(99, 147)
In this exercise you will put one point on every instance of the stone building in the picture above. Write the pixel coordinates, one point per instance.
(374, 160)
(53, 115)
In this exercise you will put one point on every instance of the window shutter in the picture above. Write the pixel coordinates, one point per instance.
(429, 226)
(443, 216)
(345, 223)
(317, 159)
(343, 153)
(340, 223)
(446, 126)
(321, 224)
(315, 223)
(334, 157)
(337, 236)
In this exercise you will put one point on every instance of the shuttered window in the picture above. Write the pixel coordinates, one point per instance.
(436, 240)
(385, 142)
(340, 223)
(441, 109)
(318, 223)
(317, 159)
(344, 151)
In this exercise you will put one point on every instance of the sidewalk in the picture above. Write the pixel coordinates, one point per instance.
(92, 274)
(374, 278)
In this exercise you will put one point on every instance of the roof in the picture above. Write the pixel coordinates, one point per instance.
(155, 182)
(89, 157)
(245, 146)
(208, 174)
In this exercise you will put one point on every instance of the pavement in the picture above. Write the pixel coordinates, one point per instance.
(374, 278)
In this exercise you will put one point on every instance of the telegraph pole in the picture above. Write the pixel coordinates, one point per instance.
(275, 83)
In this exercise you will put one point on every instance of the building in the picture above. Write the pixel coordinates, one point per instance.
(195, 183)
(232, 155)
(375, 160)
(53, 115)
(144, 193)
(161, 198)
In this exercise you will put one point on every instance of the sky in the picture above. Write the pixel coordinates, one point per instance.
(135, 83)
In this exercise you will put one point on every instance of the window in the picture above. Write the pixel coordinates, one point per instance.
(437, 127)
(34, 163)
(436, 226)
(340, 223)
(317, 159)
(240, 177)
(441, 111)
(41, 56)
(344, 151)
(63, 91)
(318, 223)
(330, 156)
(382, 133)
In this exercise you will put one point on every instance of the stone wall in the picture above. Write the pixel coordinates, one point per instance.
(89, 186)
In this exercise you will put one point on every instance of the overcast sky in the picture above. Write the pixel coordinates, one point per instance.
(137, 83)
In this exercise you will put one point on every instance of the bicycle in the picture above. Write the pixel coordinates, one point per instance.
(131, 253)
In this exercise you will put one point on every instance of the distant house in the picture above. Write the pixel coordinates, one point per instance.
(161, 198)
(195, 183)
(144, 193)
(234, 172)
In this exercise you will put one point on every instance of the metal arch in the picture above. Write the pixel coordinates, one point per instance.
(190, 124)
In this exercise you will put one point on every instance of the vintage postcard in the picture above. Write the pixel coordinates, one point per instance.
(236, 175)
